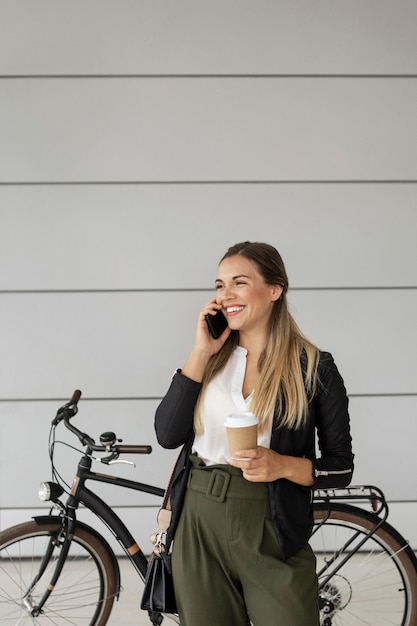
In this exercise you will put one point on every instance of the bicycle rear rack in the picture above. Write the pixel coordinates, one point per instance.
(356, 495)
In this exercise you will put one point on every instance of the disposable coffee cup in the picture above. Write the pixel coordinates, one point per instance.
(242, 432)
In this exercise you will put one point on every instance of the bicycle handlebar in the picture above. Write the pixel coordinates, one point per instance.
(69, 409)
(66, 412)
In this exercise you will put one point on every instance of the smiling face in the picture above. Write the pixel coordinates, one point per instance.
(245, 297)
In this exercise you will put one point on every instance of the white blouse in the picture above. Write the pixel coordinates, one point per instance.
(223, 396)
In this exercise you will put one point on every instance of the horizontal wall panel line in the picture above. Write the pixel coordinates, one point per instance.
(329, 181)
(198, 290)
(200, 76)
(393, 394)
(94, 291)
(87, 399)
(383, 395)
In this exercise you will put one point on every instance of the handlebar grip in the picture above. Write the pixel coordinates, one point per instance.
(75, 397)
(135, 449)
(69, 409)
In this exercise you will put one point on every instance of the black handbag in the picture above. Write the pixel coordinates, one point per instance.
(158, 594)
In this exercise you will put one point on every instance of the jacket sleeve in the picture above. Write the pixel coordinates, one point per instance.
(174, 416)
(334, 468)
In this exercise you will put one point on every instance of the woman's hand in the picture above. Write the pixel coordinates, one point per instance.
(203, 340)
(204, 344)
(266, 465)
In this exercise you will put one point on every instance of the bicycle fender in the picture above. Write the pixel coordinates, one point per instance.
(54, 519)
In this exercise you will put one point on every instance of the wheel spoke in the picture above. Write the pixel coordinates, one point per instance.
(85, 590)
(376, 585)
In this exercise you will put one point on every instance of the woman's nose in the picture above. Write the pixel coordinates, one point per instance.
(226, 294)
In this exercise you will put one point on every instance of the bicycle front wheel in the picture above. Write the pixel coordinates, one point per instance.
(374, 584)
(85, 590)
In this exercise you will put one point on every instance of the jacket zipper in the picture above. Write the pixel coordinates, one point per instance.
(330, 472)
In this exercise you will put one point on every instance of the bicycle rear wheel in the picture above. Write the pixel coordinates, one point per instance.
(377, 585)
(86, 588)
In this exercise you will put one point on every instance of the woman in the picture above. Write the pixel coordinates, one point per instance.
(241, 527)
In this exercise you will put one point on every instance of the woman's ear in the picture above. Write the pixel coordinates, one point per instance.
(276, 292)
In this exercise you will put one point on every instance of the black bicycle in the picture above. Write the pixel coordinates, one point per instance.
(57, 570)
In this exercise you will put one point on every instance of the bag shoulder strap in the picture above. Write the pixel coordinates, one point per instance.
(164, 514)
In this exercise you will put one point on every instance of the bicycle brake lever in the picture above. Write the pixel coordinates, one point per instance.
(122, 461)
(68, 409)
(109, 461)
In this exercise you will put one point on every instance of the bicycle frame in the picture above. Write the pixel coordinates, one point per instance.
(80, 494)
(363, 493)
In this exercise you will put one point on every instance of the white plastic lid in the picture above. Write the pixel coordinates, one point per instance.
(241, 419)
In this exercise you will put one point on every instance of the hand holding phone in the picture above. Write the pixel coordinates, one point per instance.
(216, 323)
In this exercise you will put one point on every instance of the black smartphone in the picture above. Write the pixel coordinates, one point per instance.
(216, 323)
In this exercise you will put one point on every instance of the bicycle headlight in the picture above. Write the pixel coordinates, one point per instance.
(50, 491)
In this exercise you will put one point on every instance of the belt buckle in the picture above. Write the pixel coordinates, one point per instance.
(213, 486)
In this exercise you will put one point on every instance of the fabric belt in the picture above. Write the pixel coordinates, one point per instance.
(219, 484)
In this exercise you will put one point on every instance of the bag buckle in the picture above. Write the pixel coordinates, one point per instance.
(218, 485)
(160, 542)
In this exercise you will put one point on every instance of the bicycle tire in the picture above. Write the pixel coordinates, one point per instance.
(378, 583)
(85, 590)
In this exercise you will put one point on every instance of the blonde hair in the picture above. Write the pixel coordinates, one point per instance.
(288, 364)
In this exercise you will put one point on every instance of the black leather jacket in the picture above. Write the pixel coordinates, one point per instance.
(290, 503)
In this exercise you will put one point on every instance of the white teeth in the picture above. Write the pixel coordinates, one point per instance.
(234, 309)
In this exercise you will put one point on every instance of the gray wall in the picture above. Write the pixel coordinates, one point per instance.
(138, 140)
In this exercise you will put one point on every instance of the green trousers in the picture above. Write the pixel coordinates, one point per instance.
(227, 563)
